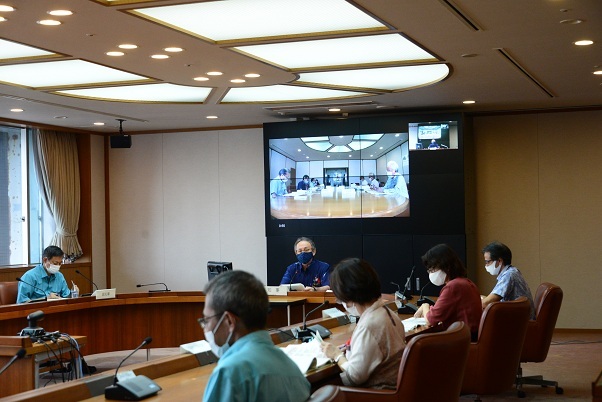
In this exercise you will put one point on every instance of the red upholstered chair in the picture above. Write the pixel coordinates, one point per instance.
(548, 300)
(493, 359)
(8, 292)
(327, 393)
(432, 366)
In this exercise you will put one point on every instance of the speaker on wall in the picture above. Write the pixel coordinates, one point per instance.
(121, 141)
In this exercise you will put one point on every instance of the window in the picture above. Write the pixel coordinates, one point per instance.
(27, 225)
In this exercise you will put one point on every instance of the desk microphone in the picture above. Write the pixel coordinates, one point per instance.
(132, 389)
(37, 288)
(290, 285)
(304, 332)
(156, 290)
(89, 280)
(398, 294)
(19, 355)
(407, 289)
(423, 300)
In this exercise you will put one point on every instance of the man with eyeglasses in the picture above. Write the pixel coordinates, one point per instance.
(46, 279)
(250, 368)
(510, 282)
(312, 273)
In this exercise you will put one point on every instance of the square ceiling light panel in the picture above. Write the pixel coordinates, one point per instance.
(11, 51)
(284, 93)
(149, 93)
(354, 51)
(384, 79)
(244, 20)
(54, 74)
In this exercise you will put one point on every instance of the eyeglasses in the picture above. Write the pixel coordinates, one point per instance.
(487, 262)
(204, 320)
(305, 250)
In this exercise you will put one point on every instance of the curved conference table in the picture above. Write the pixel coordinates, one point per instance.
(338, 203)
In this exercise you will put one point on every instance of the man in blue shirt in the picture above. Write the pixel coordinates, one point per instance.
(46, 279)
(510, 282)
(278, 184)
(250, 368)
(303, 184)
(307, 270)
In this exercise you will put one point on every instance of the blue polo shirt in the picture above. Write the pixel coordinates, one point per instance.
(317, 274)
(45, 283)
(254, 370)
(511, 285)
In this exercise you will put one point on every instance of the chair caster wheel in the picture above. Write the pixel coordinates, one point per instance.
(521, 394)
(559, 390)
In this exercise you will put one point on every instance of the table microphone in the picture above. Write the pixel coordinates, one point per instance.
(423, 300)
(35, 287)
(132, 389)
(155, 290)
(398, 294)
(19, 355)
(304, 332)
(89, 280)
(407, 289)
(290, 285)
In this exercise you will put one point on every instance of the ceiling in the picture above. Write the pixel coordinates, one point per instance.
(505, 55)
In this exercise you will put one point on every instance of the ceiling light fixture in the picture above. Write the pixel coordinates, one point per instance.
(334, 109)
(2, 19)
(16, 110)
(572, 21)
(99, 123)
(214, 73)
(160, 56)
(49, 22)
(60, 13)
(598, 72)
(469, 102)
(584, 42)
(128, 46)
(212, 117)
(114, 53)
(201, 79)
(6, 9)
(238, 81)
(252, 75)
(173, 49)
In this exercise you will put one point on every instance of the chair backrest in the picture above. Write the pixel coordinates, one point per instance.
(548, 300)
(441, 356)
(8, 292)
(494, 358)
(327, 393)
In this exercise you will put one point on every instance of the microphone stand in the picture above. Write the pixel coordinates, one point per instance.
(155, 290)
(304, 332)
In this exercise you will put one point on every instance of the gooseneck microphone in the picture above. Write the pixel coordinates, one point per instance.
(145, 342)
(18, 355)
(304, 332)
(156, 290)
(290, 285)
(423, 300)
(35, 287)
(407, 289)
(89, 280)
(398, 294)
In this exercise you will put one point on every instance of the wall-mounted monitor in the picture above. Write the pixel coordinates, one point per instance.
(215, 268)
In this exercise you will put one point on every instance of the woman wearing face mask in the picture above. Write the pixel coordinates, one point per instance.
(459, 299)
(374, 353)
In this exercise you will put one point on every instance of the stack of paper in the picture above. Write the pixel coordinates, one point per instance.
(412, 323)
(307, 356)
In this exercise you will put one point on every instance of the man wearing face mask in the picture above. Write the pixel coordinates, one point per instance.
(312, 273)
(250, 367)
(396, 184)
(278, 183)
(46, 278)
(303, 184)
(510, 282)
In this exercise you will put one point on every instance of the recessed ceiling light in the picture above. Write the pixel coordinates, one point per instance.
(585, 42)
(334, 109)
(469, 102)
(60, 13)
(115, 54)
(4, 8)
(160, 56)
(598, 72)
(128, 46)
(214, 73)
(238, 81)
(173, 49)
(201, 79)
(99, 123)
(2, 19)
(60, 117)
(572, 21)
(49, 22)
(307, 157)
(16, 110)
(252, 75)
(212, 117)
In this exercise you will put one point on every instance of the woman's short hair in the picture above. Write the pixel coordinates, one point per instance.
(355, 280)
(445, 258)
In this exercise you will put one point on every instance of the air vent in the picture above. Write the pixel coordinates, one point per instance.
(292, 109)
(461, 15)
(504, 53)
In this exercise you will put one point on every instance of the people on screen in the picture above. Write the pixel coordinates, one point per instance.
(45, 277)
(433, 145)
(278, 183)
(373, 182)
(459, 299)
(303, 184)
(314, 183)
(250, 367)
(374, 354)
(510, 282)
(363, 181)
(309, 271)
(396, 184)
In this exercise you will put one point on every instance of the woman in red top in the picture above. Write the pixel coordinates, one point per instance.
(459, 299)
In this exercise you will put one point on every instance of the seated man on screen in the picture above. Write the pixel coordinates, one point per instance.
(46, 278)
(251, 368)
(510, 282)
(303, 184)
(363, 181)
(313, 274)
(278, 183)
(373, 181)
(396, 184)
(433, 145)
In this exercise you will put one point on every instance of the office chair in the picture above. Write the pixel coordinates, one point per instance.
(9, 292)
(441, 356)
(548, 300)
(493, 359)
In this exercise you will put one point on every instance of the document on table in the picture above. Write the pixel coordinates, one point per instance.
(307, 356)
(412, 323)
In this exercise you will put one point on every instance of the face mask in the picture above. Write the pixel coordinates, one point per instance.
(53, 269)
(210, 337)
(351, 310)
(437, 277)
(492, 269)
(305, 257)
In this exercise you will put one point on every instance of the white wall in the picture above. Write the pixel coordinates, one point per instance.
(99, 244)
(180, 200)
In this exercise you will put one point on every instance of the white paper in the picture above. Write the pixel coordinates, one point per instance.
(412, 323)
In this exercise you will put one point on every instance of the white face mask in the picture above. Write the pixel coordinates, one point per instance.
(492, 269)
(437, 277)
(53, 269)
(351, 309)
(210, 337)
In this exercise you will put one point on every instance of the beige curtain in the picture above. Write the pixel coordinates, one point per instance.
(58, 173)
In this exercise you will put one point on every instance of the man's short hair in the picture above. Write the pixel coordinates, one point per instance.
(393, 165)
(52, 251)
(498, 250)
(243, 295)
(283, 171)
(305, 177)
(307, 239)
